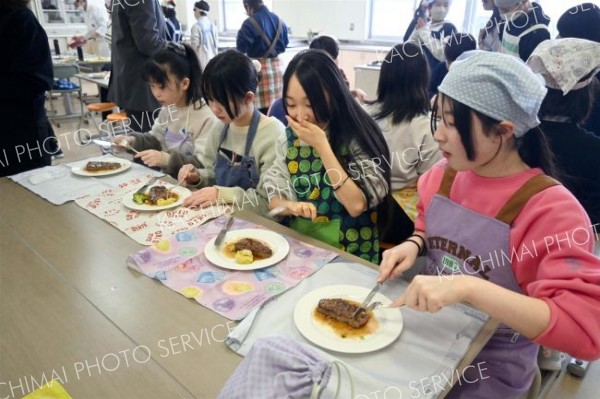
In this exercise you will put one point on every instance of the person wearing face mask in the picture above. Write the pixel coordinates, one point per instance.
(525, 27)
(430, 36)
(490, 37)
(204, 34)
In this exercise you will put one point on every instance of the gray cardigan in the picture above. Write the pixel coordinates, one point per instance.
(138, 30)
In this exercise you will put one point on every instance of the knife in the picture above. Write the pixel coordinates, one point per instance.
(102, 143)
(145, 186)
(364, 303)
(223, 231)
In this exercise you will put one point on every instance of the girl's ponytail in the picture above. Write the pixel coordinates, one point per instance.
(195, 89)
(182, 62)
(534, 150)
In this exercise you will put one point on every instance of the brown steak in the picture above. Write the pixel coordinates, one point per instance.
(259, 250)
(99, 166)
(342, 310)
(156, 193)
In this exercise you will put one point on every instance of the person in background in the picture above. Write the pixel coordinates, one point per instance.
(571, 87)
(25, 75)
(263, 36)
(495, 179)
(402, 112)
(175, 79)
(578, 22)
(205, 36)
(327, 195)
(138, 30)
(454, 46)
(430, 35)
(330, 46)
(525, 26)
(174, 33)
(490, 36)
(96, 19)
(238, 159)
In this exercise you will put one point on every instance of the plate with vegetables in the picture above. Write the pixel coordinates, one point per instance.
(156, 198)
(247, 249)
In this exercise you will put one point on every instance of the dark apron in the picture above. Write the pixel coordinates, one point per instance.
(244, 174)
(469, 243)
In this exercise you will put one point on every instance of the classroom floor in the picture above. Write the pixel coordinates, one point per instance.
(556, 385)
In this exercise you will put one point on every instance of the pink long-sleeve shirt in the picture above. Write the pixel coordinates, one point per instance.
(553, 240)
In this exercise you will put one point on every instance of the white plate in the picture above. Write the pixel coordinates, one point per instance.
(389, 319)
(79, 169)
(278, 244)
(182, 192)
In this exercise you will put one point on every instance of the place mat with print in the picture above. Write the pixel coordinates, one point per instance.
(180, 264)
(147, 228)
(418, 364)
(58, 185)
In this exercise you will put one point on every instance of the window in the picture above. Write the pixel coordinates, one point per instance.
(60, 12)
(554, 9)
(234, 13)
(390, 18)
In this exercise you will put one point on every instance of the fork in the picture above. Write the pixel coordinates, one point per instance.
(125, 143)
(377, 305)
(172, 187)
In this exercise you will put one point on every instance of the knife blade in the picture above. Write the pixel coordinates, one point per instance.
(102, 143)
(223, 232)
(145, 186)
(364, 303)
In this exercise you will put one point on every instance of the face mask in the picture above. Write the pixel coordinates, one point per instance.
(438, 13)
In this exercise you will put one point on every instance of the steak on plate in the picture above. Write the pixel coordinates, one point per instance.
(342, 310)
(99, 166)
(156, 193)
(259, 250)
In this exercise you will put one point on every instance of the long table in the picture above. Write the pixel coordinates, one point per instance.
(71, 307)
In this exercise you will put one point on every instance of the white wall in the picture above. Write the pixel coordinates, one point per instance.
(346, 19)
(328, 16)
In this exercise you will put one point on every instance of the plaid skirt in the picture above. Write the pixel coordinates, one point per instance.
(271, 83)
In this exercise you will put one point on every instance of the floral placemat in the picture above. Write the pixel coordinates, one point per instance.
(180, 264)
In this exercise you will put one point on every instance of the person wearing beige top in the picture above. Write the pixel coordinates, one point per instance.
(236, 159)
(401, 111)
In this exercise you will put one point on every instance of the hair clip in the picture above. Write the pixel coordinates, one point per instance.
(177, 48)
(256, 65)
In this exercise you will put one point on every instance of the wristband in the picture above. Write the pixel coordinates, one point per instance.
(424, 243)
(342, 183)
(416, 243)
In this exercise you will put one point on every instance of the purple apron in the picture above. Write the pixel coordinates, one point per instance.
(465, 242)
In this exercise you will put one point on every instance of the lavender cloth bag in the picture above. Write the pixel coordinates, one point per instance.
(279, 367)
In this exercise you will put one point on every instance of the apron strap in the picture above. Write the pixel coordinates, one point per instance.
(270, 43)
(223, 135)
(252, 131)
(447, 180)
(515, 204)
